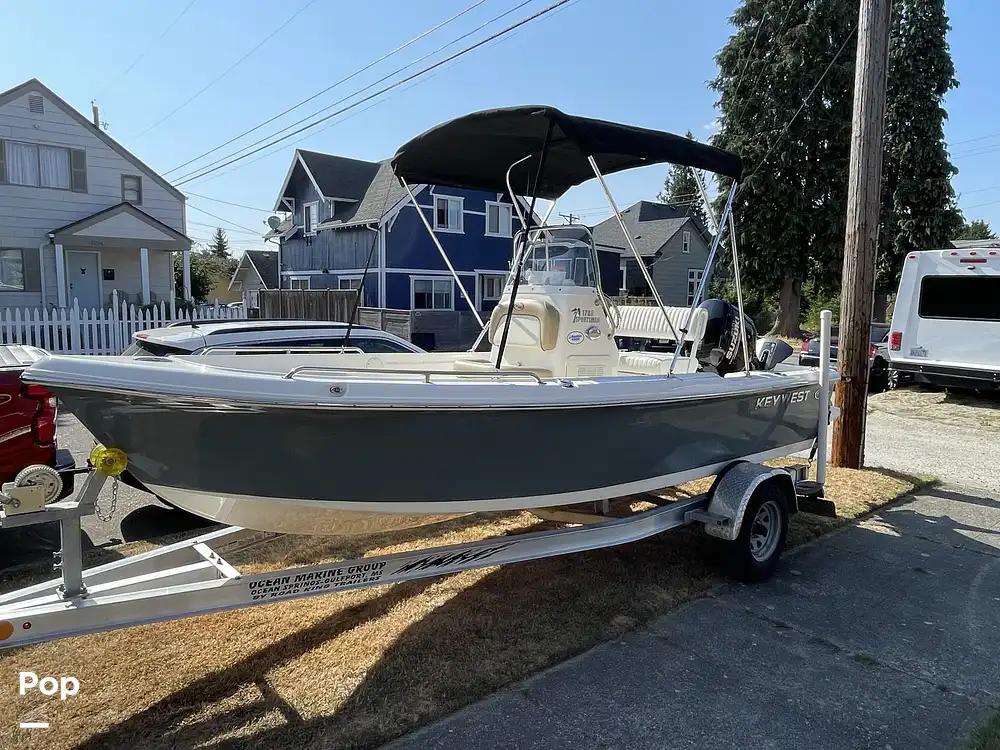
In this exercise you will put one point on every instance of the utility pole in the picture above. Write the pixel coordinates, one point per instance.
(863, 197)
(570, 218)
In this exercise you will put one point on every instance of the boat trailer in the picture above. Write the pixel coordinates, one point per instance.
(192, 577)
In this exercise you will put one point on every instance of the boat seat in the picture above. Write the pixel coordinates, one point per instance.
(647, 322)
(544, 312)
(485, 365)
(652, 363)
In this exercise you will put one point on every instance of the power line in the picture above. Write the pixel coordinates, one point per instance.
(226, 72)
(229, 203)
(781, 27)
(148, 47)
(333, 85)
(220, 218)
(222, 161)
(213, 226)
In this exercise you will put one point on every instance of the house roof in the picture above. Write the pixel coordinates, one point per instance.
(965, 244)
(334, 177)
(34, 85)
(380, 195)
(264, 262)
(151, 232)
(651, 225)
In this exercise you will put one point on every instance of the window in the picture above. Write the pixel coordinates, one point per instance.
(132, 189)
(685, 242)
(694, 280)
(431, 294)
(499, 219)
(309, 218)
(448, 213)
(37, 165)
(349, 282)
(298, 282)
(11, 270)
(492, 286)
(960, 297)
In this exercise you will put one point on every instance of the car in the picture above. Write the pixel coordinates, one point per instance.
(28, 420)
(878, 355)
(264, 336)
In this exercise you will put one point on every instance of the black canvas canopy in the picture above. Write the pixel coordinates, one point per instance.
(475, 151)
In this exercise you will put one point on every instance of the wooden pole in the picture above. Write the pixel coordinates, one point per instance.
(863, 193)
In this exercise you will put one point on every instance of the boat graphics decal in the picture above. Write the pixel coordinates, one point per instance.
(788, 397)
(443, 561)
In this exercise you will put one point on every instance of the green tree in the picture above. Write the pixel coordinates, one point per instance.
(918, 202)
(681, 189)
(977, 229)
(207, 271)
(791, 206)
(220, 243)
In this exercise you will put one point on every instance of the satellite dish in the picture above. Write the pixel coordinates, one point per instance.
(273, 222)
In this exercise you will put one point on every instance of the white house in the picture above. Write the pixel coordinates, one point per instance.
(80, 216)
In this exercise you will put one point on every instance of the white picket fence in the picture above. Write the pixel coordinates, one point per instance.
(76, 330)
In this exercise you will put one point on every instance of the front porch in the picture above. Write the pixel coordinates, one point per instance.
(120, 249)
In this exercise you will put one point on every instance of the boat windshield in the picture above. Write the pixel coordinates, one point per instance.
(557, 258)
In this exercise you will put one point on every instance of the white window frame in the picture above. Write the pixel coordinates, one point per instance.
(686, 241)
(482, 286)
(293, 279)
(348, 277)
(499, 205)
(461, 213)
(310, 210)
(446, 279)
(694, 278)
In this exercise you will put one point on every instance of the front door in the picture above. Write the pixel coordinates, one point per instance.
(82, 275)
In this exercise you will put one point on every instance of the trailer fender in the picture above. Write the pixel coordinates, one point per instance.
(731, 493)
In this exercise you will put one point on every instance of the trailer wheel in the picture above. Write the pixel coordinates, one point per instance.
(754, 554)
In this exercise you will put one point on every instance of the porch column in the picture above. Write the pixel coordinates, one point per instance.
(60, 275)
(144, 273)
(186, 263)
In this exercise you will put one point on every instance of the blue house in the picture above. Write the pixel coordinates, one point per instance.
(344, 214)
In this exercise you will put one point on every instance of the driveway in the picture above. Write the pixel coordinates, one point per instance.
(883, 635)
(955, 437)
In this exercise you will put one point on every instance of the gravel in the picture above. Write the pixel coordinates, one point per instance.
(955, 437)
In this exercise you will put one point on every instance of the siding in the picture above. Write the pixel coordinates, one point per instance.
(670, 274)
(28, 214)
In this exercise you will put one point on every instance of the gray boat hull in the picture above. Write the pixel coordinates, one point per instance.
(313, 469)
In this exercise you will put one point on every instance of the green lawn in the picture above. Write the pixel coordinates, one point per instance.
(987, 735)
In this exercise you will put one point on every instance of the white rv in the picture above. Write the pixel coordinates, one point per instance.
(946, 322)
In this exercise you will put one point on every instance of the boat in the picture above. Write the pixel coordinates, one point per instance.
(551, 413)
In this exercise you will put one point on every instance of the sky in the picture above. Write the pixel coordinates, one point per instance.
(176, 78)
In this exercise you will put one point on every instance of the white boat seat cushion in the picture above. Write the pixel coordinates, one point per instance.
(652, 363)
(648, 323)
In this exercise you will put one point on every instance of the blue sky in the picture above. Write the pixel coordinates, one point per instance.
(642, 62)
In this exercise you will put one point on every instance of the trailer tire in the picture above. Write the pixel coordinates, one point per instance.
(753, 555)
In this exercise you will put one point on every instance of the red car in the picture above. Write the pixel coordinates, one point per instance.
(27, 419)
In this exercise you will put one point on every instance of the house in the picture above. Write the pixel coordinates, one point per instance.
(673, 244)
(80, 216)
(257, 269)
(346, 215)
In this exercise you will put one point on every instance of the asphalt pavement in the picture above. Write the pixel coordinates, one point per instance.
(883, 635)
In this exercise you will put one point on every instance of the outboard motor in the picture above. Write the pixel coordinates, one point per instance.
(720, 350)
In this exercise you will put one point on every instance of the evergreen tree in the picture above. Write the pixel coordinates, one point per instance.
(220, 243)
(681, 189)
(976, 230)
(790, 210)
(918, 202)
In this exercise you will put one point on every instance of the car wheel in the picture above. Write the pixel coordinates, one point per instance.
(892, 380)
(878, 378)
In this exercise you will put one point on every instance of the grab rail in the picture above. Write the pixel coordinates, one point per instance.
(222, 349)
(426, 374)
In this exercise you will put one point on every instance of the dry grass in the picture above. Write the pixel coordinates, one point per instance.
(361, 667)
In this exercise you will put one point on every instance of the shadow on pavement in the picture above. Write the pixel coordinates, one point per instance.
(152, 521)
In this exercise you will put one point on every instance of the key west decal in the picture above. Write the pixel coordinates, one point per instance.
(791, 397)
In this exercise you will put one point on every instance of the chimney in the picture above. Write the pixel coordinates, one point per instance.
(97, 114)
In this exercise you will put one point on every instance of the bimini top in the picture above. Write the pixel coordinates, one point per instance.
(475, 151)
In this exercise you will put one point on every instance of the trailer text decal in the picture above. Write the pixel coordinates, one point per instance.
(327, 579)
(443, 561)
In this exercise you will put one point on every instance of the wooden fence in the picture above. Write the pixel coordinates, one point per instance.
(307, 304)
(76, 330)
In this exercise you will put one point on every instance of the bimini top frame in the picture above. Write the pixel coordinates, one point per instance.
(548, 152)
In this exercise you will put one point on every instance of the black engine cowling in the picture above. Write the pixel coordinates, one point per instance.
(720, 350)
